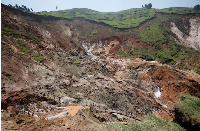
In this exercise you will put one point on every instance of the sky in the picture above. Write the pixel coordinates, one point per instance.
(99, 5)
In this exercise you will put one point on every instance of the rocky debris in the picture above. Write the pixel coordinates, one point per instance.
(119, 117)
(12, 110)
(93, 104)
(60, 115)
(67, 111)
(66, 101)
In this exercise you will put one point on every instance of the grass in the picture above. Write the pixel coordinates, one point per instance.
(190, 108)
(122, 19)
(183, 57)
(6, 74)
(177, 10)
(150, 123)
(38, 58)
(153, 32)
(123, 54)
(23, 48)
(17, 34)
(7, 31)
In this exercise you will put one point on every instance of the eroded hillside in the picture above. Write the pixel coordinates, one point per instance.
(49, 66)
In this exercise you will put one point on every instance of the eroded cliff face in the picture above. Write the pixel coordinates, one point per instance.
(193, 39)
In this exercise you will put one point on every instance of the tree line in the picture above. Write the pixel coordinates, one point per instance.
(197, 7)
(23, 8)
(147, 6)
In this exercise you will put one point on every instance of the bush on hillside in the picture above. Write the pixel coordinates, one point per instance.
(187, 112)
(150, 123)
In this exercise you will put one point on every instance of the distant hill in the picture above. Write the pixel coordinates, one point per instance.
(122, 19)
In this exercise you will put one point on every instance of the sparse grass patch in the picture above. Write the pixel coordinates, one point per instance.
(7, 31)
(150, 123)
(123, 54)
(20, 54)
(6, 74)
(38, 58)
(23, 47)
(17, 34)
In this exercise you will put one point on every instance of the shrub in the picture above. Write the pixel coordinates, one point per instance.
(189, 108)
(38, 58)
(150, 123)
(6, 74)
(153, 32)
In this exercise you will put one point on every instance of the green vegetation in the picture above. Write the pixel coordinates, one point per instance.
(123, 54)
(23, 8)
(153, 32)
(189, 107)
(157, 34)
(23, 48)
(20, 54)
(177, 10)
(172, 55)
(197, 8)
(175, 54)
(150, 123)
(147, 6)
(122, 19)
(6, 74)
(7, 31)
(38, 58)
(17, 34)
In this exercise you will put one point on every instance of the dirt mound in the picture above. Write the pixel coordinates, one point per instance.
(172, 83)
(84, 119)
(22, 97)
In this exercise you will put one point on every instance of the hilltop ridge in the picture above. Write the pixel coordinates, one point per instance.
(122, 19)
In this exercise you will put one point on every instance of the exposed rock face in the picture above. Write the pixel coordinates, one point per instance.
(193, 39)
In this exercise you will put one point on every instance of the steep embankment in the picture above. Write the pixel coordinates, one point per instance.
(191, 40)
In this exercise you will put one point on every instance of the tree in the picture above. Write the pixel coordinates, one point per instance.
(10, 5)
(197, 7)
(23, 8)
(16, 6)
(145, 5)
(148, 6)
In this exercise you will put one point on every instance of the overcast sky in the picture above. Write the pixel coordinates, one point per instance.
(99, 5)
